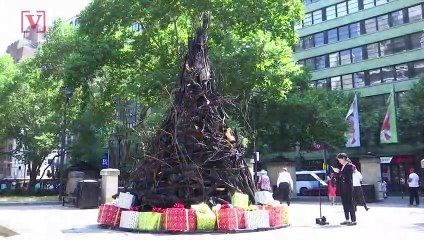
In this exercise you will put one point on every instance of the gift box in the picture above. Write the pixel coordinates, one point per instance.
(109, 215)
(230, 219)
(125, 200)
(257, 219)
(285, 214)
(240, 200)
(150, 221)
(264, 197)
(179, 219)
(205, 217)
(275, 215)
(129, 219)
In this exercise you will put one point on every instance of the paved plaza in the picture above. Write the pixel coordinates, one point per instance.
(389, 220)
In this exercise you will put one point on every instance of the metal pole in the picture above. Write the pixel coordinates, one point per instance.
(62, 148)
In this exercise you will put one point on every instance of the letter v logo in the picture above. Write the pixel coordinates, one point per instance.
(28, 23)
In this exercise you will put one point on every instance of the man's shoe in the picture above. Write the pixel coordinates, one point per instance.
(351, 224)
(345, 223)
(367, 208)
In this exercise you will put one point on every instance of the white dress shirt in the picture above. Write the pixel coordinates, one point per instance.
(285, 177)
(414, 180)
(356, 178)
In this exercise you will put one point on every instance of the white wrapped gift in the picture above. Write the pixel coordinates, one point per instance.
(129, 219)
(264, 197)
(125, 200)
(257, 219)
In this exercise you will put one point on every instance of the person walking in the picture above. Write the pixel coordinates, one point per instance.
(413, 182)
(384, 188)
(263, 184)
(358, 194)
(285, 186)
(346, 188)
(332, 188)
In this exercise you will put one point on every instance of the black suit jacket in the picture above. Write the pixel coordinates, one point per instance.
(345, 179)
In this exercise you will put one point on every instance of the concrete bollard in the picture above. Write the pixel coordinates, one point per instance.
(109, 184)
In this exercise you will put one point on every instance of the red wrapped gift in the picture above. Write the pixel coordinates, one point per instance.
(275, 215)
(179, 219)
(230, 219)
(109, 215)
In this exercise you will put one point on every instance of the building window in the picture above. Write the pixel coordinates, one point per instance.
(345, 57)
(308, 41)
(317, 16)
(385, 48)
(417, 40)
(331, 12)
(136, 27)
(358, 79)
(380, 2)
(334, 59)
(343, 33)
(398, 45)
(357, 54)
(397, 18)
(310, 63)
(319, 39)
(370, 25)
(308, 19)
(347, 81)
(418, 69)
(401, 72)
(320, 62)
(336, 83)
(355, 29)
(332, 35)
(388, 74)
(341, 9)
(368, 4)
(415, 13)
(322, 83)
(352, 6)
(299, 45)
(383, 22)
(372, 50)
(375, 76)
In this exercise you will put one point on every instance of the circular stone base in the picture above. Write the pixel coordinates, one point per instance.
(192, 232)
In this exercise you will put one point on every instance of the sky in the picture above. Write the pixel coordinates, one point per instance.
(10, 15)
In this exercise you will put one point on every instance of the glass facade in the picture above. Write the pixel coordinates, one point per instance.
(367, 26)
(400, 72)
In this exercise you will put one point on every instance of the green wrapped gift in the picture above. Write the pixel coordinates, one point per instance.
(150, 221)
(240, 200)
(206, 219)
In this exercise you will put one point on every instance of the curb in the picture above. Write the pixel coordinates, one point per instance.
(12, 204)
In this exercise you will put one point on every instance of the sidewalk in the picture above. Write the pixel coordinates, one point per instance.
(390, 201)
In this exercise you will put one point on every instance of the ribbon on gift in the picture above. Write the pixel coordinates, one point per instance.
(158, 210)
(178, 205)
(225, 206)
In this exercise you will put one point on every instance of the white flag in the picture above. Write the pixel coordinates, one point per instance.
(353, 137)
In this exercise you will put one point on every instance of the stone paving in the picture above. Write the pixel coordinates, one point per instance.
(389, 220)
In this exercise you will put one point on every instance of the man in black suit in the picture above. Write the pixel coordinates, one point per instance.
(346, 188)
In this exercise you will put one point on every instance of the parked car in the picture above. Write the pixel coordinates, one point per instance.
(306, 182)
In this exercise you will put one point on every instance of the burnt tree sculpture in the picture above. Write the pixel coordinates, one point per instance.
(195, 155)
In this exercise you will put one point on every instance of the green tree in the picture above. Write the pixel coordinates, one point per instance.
(30, 116)
(411, 115)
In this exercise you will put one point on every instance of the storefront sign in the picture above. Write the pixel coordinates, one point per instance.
(386, 159)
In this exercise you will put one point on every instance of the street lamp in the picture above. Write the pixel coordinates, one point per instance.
(67, 92)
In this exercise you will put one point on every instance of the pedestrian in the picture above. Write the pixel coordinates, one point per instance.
(358, 194)
(346, 188)
(285, 186)
(332, 188)
(263, 184)
(384, 188)
(413, 182)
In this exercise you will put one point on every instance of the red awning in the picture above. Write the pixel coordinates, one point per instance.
(404, 159)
